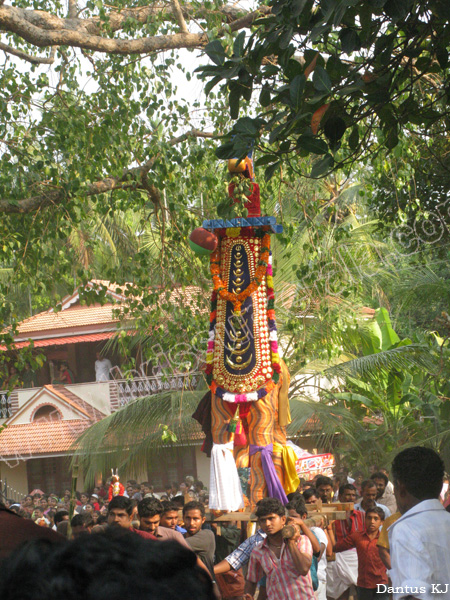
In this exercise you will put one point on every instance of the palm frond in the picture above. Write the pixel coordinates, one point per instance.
(402, 358)
(422, 285)
(439, 441)
(129, 438)
(323, 422)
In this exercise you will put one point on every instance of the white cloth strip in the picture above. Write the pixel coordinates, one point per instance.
(225, 492)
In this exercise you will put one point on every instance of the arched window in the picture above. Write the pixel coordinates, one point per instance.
(47, 412)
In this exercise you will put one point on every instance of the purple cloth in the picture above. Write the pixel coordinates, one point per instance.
(274, 486)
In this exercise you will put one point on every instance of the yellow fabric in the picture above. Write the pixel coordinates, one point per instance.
(284, 413)
(291, 479)
(383, 539)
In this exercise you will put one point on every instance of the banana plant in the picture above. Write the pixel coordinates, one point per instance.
(396, 405)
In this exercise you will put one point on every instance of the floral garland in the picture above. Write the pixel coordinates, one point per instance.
(219, 285)
(273, 339)
(273, 335)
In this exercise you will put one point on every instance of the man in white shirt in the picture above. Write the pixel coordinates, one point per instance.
(419, 539)
(321, 592)
(102, 368)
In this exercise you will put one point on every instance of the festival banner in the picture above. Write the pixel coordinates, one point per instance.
(316, 464)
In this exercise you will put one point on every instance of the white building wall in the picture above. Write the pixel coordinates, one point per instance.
(14, 474)
(95, 394)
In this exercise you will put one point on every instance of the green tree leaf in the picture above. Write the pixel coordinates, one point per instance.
(322, 166)
(321, 80)
(296, 90)
(312, 144)
(215, 51)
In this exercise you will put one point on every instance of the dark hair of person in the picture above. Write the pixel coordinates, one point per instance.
(340, 478)
(110, 565)
(63, 527)
(194, 505)
(268, 506)
(293, 495)
(378, 510)
(346, 486)
(122, 502)
(17, 509)
(367, 483)
(88, 520)
(421, 470)
(179, 501)
(59, 515)
(307, 494)
(299, 505)
(323, 480)
(102, 519)
(149, 507)
(77, 521)
(169, 506)
(380, 475)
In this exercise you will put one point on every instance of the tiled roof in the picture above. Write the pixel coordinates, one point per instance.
(45, 435)
(75, 316)
(62, 341)
(95, 314)
(41, 437)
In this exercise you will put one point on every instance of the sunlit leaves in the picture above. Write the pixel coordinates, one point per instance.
(362, 56)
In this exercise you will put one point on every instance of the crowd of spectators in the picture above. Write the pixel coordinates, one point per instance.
(286, 558)
(48, 509)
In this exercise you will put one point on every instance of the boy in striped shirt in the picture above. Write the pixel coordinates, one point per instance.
(285, 562)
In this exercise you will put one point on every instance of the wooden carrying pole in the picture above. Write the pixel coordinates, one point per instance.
(336, 511)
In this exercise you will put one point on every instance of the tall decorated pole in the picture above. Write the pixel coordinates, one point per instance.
(248, 380)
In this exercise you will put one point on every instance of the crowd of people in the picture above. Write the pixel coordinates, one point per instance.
(47, 509)
(393, 543)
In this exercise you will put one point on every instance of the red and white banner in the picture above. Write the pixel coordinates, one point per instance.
(315, 464)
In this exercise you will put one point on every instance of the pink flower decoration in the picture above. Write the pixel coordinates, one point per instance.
(240, 398)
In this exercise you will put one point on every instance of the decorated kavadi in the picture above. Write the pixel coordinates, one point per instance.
(248, 402)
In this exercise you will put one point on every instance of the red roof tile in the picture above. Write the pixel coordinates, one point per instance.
(82, 316)
(61, 341)
(74, 316)
(41, 437)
